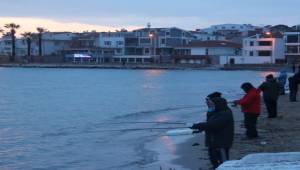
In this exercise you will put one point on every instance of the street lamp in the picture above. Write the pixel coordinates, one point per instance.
(153, 42)
(269, 34)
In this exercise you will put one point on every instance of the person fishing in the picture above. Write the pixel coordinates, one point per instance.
(293, 87)
(271, 90)
(219, 129)
(251, 107)
(282, 78)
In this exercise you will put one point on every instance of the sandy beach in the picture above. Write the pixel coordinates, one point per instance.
(276, 135)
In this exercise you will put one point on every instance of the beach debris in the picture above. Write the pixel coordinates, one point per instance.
(196, 144)
(263, 143)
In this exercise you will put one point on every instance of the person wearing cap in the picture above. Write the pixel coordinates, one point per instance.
(251, 107)
(271, 90)
(219, 129)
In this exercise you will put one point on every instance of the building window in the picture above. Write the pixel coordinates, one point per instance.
(251, 53)
(265, 53)
(147, 51)
(251, 43)
(265, 43)
(118, 51)
(145, 40)
(292, 49)
(206, 51)
(163, 41)
(167, 33)
(120, 43)
(107, 43)
(292, 39)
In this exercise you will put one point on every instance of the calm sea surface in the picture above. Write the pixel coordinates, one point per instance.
(69, 118)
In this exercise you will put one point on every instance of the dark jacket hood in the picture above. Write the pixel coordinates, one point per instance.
(220, 104)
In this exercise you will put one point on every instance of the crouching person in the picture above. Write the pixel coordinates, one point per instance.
(219, 129)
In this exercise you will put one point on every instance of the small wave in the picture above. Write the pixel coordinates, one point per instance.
(141, 113)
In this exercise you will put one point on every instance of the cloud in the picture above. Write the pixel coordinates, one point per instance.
(30, 24)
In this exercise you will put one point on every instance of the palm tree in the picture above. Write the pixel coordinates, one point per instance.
(40, 36)
(28, 36)
(1, 31)
(13, 27)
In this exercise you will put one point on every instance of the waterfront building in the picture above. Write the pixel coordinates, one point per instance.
(205, 52)
(158, 43)
(268, 46)
(203, 36)
(6, 46)
(292, 46)
(225, 28)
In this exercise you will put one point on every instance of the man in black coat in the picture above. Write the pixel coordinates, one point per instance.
(271, 91)
(219, 129)
(293, 86)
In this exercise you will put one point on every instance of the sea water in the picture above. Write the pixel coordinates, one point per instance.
(77, 118)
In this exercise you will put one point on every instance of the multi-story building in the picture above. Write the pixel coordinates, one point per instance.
(6, 46)
(158, 43)
(230, 28)
(292, 47)
(204, 52)
(265, 45)
(203, 36)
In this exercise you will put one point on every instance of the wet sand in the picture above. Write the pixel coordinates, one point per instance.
(276, 135)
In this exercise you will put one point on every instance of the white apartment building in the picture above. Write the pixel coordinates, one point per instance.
(6, 47)
(202, 36)
(292, 47)
(54, 42)
(203, 52)
(231, 27)
(112, 40)
(264, 46)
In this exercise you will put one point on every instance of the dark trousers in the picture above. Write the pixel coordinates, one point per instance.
(218, 155)
(293, 95)
(250, 125)
(271, 108)
(282, 90)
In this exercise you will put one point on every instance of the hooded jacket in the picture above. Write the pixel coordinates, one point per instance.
(219, 128)
(251, 102)
(271, 89)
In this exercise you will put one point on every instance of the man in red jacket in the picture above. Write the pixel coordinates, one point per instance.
(251, 107)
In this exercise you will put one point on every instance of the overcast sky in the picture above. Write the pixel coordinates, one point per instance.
(77, 15)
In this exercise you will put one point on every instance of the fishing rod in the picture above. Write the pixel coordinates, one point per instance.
(139, 129)
(146, 122)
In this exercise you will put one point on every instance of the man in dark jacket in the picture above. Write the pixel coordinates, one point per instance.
(271, 90)
(293, 86)
(219, 129)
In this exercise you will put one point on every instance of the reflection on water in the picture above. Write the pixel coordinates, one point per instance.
(169, 144)
(163, 118)
(154, 73)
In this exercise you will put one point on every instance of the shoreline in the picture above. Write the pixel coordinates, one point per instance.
(276, 135)
(148, 66)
